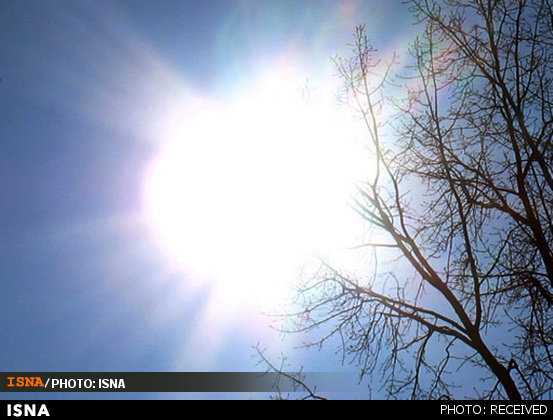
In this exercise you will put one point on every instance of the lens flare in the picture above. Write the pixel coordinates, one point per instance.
(247, 191)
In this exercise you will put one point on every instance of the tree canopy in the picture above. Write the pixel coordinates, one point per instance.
(460, 197)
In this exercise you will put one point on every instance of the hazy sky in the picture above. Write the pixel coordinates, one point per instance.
(99, 273)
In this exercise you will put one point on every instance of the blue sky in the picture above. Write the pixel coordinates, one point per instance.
(88, 89)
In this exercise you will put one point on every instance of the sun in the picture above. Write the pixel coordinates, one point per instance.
(247, 191)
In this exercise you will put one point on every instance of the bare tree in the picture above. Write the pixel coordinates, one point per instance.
(461, 199)
(296, 379)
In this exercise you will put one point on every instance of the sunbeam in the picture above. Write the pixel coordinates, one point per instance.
(247, 190)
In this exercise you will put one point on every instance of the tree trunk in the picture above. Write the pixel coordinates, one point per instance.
(500, 371)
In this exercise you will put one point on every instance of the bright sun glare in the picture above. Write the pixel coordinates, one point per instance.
(246, 192)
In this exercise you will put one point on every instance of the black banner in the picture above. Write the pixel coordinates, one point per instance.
(172, 381)
(166, 408)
